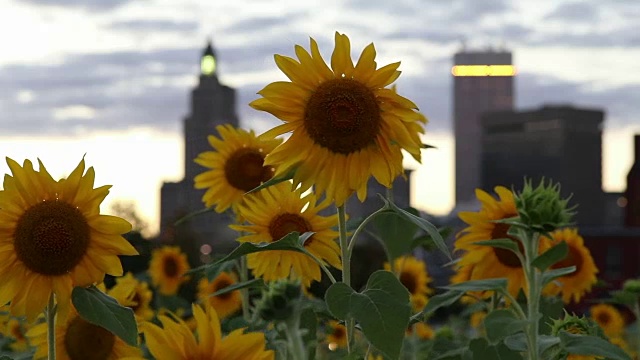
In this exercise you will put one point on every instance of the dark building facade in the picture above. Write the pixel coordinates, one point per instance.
(632, 195)
(212, 104)
(482, 81)
(560, 143)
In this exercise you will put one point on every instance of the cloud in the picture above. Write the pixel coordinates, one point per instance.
(89, 5)
(156, 25)
(579, 11)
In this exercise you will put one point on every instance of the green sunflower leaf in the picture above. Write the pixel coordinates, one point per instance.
(253, 283)
(550, 275)
(502, 323)
(591, 345)
(275, 180)
(436, 302)
(507, 244)
(482, 350)
(551, 256)
(102, 310)
(479, 285)
(421, 223)
(292, 241)
(382, 310)
(395, 232)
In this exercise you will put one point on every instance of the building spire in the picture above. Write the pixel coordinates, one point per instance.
(208, 60)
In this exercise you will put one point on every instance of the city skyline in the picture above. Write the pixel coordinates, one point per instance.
(96, 77)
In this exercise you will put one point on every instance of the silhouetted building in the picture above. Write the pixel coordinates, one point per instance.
(632, 195)
(560, 143)
(483, 81)
(212, 104)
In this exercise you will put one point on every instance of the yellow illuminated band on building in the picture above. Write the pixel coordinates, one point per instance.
(483, 70)
(208, 65)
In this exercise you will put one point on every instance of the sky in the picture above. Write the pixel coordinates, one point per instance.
(110, 79)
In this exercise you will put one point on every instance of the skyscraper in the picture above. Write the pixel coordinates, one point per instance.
(483, 81)
(561, 143)
(212, 104)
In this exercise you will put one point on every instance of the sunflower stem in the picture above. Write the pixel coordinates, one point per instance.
(532, 275)
(294, 337)
(346, 264)
(244, 293)
(636, 312)
(352, 242)
(322, 266)
(51, 328)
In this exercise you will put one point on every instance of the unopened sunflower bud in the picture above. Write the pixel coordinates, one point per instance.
(542, 209)
(576, 325)
(632, 286)
(278, 301)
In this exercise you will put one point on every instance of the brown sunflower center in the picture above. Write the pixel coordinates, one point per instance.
(137, 301)
(603, 318)
(51, 237)
(16, 331)
(343, 116)
(221, 284)
(84, 340)
(339, 333)
(574, 258)
(170, 267)
(286, 223)
(409, 281)
(506, 257)
(245, 169)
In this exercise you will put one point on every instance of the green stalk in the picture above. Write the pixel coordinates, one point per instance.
(636, 312)
(346, 265)
(51, 328)
(244, 293)
(294, 338)
(533, 278)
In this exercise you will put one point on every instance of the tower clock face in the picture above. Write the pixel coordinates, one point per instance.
(208, 65)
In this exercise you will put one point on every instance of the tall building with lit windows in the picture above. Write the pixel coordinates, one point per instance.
(482, 82)
(212, 103)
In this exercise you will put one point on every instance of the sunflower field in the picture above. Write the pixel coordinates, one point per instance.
(519, 266)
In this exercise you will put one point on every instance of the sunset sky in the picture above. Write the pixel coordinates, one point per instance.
(111, 78)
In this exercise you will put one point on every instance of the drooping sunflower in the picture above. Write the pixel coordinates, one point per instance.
(225, 304)
(414, 276)
(175, 341)
(278, 211)
(484, 262)
(609, 319)
(575, 285)
(78, 339)
(167, 268)
(53, 237)
(345, 124)
(133, 293)
(336, 335)
(236, 166)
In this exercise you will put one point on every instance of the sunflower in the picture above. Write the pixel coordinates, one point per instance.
(412, 273)
(578, 283)
(477, 319)
(133, 293)
(237, 166)
(167, 268)
(16, 330)
(53, 238)
(486, 262)
(175, 341)
(336, 334)
(277, 212)
(77, 339)
(609, 319)
(346, 126)
(423, 331)
(225, 304)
